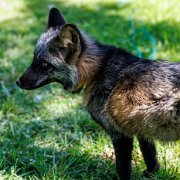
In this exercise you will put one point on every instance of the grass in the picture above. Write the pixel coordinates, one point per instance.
(46, 133)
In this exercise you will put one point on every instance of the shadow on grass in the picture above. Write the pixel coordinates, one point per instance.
(39, 147)
(50, 147)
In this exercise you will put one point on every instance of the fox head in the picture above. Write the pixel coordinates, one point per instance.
(56, 55)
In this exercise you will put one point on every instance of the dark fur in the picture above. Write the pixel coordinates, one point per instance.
(126, 95)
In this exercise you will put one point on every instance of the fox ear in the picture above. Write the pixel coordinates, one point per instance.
(70, 37)
(55, 18)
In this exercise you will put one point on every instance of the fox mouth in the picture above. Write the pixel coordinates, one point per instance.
(31, 87)
(67, 86)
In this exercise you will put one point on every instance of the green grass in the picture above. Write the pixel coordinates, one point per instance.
(46, 133)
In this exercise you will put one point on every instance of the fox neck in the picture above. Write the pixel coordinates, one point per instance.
(91, 60)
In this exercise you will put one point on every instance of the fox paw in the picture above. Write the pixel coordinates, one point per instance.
(150, 174)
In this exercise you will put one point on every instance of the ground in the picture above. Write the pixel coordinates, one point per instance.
(46, 133)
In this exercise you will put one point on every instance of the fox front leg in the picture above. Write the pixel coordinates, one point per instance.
(123, 150)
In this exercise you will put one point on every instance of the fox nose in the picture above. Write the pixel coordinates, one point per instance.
(18, 82)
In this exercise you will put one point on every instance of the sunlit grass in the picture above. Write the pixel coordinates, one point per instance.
(46, 133)
(10, 9)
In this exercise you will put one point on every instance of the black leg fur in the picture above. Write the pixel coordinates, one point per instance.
(123, 150)
(149, 153)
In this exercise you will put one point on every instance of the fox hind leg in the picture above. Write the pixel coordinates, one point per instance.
(148, 150)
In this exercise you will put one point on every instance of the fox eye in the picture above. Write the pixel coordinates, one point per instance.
(44, 64)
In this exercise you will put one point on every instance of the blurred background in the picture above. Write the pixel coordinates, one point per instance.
(46, 133)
